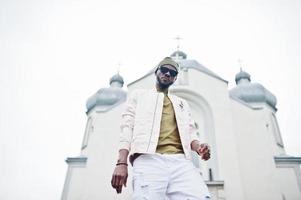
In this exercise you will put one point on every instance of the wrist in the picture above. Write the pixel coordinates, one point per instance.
(121, 163)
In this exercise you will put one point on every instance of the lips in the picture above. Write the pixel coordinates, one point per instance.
(164, 79)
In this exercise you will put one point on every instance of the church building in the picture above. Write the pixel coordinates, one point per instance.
(248, 158)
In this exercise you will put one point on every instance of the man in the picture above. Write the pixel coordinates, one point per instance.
(158, 130)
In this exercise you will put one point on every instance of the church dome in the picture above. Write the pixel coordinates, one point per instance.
(179, 54)
(251, 92)
(242, 75)
(117, 78)
(108, 97)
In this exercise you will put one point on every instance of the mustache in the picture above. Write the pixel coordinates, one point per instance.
(163, 85)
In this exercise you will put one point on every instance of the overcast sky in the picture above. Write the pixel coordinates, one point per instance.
(55, 54)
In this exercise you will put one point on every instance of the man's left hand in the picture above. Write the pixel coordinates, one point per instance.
(204, 151)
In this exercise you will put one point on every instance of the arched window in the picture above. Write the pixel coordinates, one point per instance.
(202, 115)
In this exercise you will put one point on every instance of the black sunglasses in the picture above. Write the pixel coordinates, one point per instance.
(172, 73)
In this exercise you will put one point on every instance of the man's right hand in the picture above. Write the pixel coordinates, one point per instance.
(119, 177)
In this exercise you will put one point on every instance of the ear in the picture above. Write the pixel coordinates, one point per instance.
(156, 70)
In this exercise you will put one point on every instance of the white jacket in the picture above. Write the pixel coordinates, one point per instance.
(140, 127)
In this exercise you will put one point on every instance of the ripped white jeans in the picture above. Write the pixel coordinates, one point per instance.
(167, 176)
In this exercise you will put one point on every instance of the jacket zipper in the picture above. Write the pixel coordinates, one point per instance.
(153, 123)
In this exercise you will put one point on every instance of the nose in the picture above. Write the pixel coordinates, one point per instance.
(167, 74)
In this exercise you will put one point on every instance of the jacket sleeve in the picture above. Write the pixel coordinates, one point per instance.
(192, 127)
(127, 122)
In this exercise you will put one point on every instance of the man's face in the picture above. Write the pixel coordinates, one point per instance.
(166, 76)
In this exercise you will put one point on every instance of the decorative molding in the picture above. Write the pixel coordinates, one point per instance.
(287, 160)
(215, 183)
(77, 160)
(245, 103)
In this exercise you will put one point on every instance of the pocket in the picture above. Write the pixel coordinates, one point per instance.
(140, 188)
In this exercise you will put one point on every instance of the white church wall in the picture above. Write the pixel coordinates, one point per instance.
(215, 92)
(255, 153)
(94, 180)
(272, 126)
(73, 182)
(103, 154)
(288, 184)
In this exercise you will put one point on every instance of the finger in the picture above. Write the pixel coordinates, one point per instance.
(119, 189)
(200, 151)
(118, 186)
(206, 156)
(204, 149)
(206, 146)
(121, 181)
(113, 181)
(116, 180)
(125, 180)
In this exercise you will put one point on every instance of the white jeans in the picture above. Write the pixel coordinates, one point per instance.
(167, 176)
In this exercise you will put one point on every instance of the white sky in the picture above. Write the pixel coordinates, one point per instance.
(54, 54)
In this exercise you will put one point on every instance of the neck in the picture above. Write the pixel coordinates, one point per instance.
(159, 89)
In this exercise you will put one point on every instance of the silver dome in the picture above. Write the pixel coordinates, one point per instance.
(179, 54)
(108, 97)
(251, 92)
(117, 78)
(242, 75)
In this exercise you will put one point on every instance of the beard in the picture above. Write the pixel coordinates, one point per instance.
(163, 85)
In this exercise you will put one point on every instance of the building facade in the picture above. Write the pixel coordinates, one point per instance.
(248, 159)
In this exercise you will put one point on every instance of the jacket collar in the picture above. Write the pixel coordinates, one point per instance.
(155, 91)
